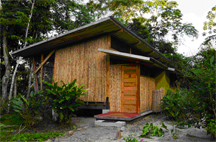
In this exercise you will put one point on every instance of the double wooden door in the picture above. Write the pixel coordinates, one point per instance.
(130, 89)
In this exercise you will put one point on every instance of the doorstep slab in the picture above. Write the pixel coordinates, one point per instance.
(110, 123)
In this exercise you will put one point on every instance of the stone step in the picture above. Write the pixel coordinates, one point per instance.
(109, 123)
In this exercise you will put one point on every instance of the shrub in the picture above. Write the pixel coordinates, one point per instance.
(30, 110)
(64, 99)
(3, 106)
(178, 104)
(211, 127)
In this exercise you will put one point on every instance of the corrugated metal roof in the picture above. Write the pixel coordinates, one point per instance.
(106, 25)
(136, 57)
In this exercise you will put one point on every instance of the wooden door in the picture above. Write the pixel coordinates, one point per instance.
(130, 89)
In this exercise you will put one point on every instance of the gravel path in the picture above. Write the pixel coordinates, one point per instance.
(87, 132)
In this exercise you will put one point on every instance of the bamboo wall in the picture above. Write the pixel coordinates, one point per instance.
(147, 85)
(156, 98)
(115, 88)
(85, 63)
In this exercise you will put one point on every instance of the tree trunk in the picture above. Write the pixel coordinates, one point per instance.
(29, 81)
(6, 77)
(26, 34)
(15, 87)
(31, 70)
(12, 84)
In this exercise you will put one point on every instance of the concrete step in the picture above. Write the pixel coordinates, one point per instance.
(109, 123)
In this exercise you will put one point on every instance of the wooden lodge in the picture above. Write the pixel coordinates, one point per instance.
(121, 71)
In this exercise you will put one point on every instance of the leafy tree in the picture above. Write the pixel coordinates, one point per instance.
(210, 26)
(49, 15)
(164, 17)
(196, 106)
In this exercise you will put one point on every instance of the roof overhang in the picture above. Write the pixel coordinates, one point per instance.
(137, 57)
(108, 25)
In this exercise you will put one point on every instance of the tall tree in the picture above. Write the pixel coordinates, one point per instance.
(49, 15)
(165, 19)
(210, 26)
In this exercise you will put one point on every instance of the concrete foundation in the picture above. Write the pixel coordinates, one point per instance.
(105, 110)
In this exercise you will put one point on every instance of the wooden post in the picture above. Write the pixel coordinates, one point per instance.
(35, 76)
(107, 102)
(138, 88)
(41, 77)
(108, 76)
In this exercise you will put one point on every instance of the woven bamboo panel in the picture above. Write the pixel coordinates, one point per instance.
(156, 99)
(147, 85)
(115, 88)
(85, 63)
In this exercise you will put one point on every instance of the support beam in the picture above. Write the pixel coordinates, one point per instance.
(115, 32)
(41, 77)
(139, 42)
(44, 61)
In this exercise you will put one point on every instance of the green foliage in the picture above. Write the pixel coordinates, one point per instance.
(11, 119)
(153, 129)
(196, 105)
(64, 99)
(132, 138)
(3, 106)
(210, 26)
(211, 127)
(48, 15)
(174, 136)
(12, 134)
(29, 110)
(177, 104)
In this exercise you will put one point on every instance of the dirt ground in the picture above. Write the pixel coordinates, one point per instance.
(88, 132)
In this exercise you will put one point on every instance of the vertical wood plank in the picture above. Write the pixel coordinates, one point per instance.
(122, 86)
(107, 76)
(138, 88)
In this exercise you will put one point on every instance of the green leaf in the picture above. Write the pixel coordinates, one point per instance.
(61, 116)
(212, 60)
(61, 101)
(172, 131)
(71, 109)
(145, 129)
(67, 97)
(160, 133)
(154, 130)
(164, 126)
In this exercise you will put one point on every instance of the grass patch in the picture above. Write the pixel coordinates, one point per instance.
(12, 134)
(13, 129)
(12, 119)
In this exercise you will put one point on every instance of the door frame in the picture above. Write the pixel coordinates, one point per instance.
(138, 85)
